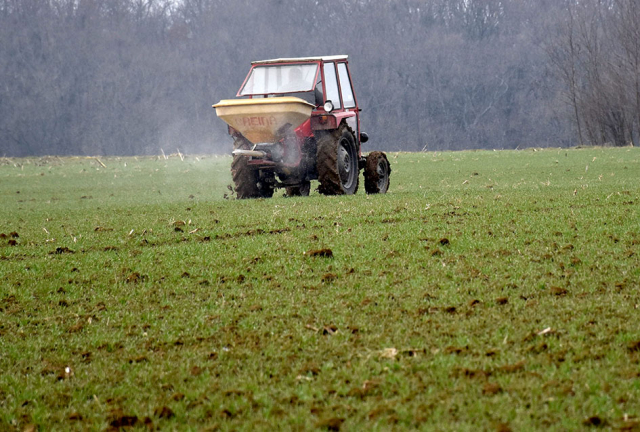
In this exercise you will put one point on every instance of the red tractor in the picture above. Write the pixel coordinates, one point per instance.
(297, 120)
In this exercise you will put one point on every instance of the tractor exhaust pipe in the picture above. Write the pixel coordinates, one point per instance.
(252, 153)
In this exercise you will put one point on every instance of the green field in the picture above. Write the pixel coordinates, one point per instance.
(485, 291)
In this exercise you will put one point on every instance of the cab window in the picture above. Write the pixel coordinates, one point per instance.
(280, 79)
(331, 84)
(345, 85)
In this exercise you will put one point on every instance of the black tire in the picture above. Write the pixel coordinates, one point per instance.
(377, 171)
(302, 190)
(337, 162)
(246, 179)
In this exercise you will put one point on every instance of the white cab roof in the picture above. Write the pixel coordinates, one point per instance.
(301, 59)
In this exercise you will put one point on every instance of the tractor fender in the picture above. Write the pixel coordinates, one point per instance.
(342, 116)
(330, 121)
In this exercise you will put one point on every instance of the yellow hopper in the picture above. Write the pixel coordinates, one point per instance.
(259, 120)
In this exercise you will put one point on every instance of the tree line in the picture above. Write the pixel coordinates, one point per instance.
(124, 77)
(597, 58)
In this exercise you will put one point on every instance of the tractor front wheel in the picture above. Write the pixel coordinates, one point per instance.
(246, 179)
(376, 173)
(337, 162)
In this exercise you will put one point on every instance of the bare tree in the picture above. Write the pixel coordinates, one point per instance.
(598, 58)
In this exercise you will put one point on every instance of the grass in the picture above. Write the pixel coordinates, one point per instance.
(487, 290)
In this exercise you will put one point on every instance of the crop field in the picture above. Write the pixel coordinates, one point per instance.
(485, 291)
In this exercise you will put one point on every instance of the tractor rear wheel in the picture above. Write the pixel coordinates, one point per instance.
(376, 173)
(337, 162)
(302, 190)
(246, 179)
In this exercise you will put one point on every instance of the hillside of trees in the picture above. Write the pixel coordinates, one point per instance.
(125, 77)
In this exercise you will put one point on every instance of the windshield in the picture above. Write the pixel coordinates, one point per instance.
(280, 79)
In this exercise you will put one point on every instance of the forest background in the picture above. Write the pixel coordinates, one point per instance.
(130, 77)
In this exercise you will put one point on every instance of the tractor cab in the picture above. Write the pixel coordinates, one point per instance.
(324, 82)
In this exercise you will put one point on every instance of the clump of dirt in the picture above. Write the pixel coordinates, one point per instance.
(75, 416)
(119, 420)
(177, 397)
(332, 424)
(456, 350)
(491, 389)
(516, 367)
(76, 328)
(537, 349)
(502, 300)
(102, 229)
(330, 330)
(163, 412)
(324, 253)
(634, 346)
(596, 421)
(558, 291)
(503, 427)
(470, 373)
(61, 250)
(279, 230)
(136, 277)
(383, 411)
(329, 277)
(310, 368)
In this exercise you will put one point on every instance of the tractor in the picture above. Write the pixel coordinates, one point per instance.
(296, 120)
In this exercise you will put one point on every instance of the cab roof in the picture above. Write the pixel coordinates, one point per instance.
(301, 59)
